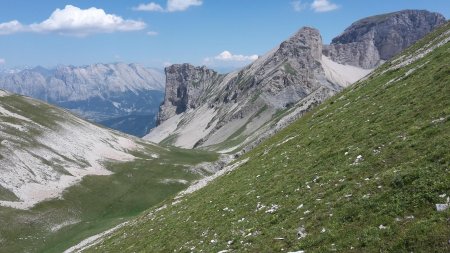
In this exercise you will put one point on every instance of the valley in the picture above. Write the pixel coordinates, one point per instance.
(64, 179)
(324, 143)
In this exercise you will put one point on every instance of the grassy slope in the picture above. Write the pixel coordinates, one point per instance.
(98, 202)
(403, 171)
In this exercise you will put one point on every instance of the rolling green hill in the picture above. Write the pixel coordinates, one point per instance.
(362, 172)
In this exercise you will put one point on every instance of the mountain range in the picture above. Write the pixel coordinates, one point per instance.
(122, 96)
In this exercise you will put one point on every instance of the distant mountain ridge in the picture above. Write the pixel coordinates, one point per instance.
(226, 112)
(98, 92)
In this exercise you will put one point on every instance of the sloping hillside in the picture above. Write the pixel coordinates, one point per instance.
(63, 179)
(362, 172)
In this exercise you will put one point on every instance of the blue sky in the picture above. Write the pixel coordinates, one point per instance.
(160, 32)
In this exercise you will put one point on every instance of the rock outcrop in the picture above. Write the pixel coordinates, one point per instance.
(373, 40)
(185, 86)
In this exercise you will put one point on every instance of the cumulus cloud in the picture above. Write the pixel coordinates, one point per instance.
(172, 6)
(76, 22)
(323, 6)
(149, 7)
(299, 5)
(182, 5)
(152, 33)
(228, 56)
(2, 61)
(226, 59)
(10, 27)
(316, 5)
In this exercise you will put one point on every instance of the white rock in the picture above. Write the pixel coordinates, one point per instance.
(382, 227)
(301, 232)
(441, 207)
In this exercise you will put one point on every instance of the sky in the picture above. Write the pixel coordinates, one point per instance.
(221, 34)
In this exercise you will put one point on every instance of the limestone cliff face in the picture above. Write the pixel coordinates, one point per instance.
(289, 73)
(375, 39)
(185, 87)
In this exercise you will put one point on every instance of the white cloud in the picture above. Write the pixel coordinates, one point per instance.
(76, 22)
(323, 6)
(152, 33)
(299, 5)
(172, 6)
(10, 27)
(149, 7)
(182, 5)
(228, 56)
(229, 61)
(2, 61)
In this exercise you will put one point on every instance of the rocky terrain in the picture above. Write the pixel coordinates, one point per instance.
(115, 95)
(370, 41)
(205, 109)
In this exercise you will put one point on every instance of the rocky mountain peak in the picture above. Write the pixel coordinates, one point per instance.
(305, 38)
(373, 40)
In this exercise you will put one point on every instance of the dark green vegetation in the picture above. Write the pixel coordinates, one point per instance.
(360, 173)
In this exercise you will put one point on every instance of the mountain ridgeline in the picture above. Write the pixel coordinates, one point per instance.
(235, 111)
(125, 97)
